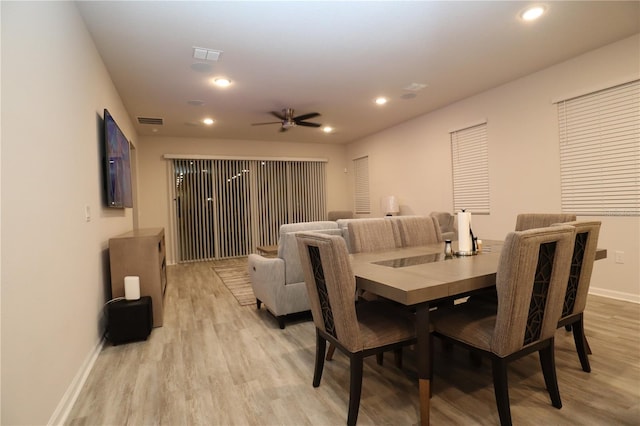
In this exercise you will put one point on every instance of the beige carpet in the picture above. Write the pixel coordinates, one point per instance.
(234, 275)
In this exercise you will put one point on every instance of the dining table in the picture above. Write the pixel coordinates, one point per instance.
(418, 277)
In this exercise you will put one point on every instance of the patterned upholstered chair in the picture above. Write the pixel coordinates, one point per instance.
(531, 282)
(417, 230)
(359, 330)
(526, 221)
(575, 300)
(366, 235)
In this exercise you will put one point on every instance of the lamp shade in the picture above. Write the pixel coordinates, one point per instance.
(389, 205)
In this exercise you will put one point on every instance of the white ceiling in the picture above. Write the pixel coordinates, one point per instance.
(329, 57)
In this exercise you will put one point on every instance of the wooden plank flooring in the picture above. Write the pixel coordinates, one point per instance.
(217, 363)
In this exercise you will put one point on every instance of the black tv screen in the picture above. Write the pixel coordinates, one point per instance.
(117, 165)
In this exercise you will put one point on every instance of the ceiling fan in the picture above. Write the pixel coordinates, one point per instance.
(288, 120)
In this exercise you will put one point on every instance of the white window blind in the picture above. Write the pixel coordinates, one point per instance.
(600, 152)
(470, 164)
(363, 203)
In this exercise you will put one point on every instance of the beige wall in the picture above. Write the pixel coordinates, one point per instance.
(54, 263)
(153, 181)
(413, 160)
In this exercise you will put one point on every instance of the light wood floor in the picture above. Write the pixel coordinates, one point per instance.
(216, 363)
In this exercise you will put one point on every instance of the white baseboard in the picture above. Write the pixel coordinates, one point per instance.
(60, 415)
(627, 297)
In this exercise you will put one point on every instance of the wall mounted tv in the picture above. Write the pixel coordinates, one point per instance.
(117, 165)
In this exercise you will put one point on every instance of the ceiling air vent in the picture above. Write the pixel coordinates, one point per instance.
(150, 120)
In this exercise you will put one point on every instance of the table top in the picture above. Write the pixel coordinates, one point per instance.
(409, 281)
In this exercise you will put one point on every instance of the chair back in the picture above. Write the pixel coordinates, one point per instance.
(446, 221)
(368, 235)
(417, 230)
(584, 254)
(330, 285)
(526, 221)
(531, 282)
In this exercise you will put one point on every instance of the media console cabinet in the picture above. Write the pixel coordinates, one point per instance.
(141, 253)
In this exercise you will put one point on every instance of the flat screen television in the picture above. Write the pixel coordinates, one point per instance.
(117, 165)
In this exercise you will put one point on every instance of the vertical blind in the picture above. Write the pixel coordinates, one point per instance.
(600, 152)
(226, 208)
(363, 203)
(470, 165)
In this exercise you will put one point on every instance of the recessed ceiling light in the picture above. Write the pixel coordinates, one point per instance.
(208, 121)
(327, 129)
(222, 82)
(381, 100)
(532, 13)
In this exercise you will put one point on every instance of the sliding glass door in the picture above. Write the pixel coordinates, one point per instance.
(226, 208)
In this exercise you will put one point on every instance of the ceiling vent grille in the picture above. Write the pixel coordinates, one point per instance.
(150, 120)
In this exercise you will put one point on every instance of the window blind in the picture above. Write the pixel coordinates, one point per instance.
(600, 152)
(363, 203)
(470, 165)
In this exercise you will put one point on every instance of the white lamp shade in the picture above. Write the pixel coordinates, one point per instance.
(389, 205)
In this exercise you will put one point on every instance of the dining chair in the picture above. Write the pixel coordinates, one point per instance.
(526, 221)
(368, 235)
(365, 236)
(417, 230)
(531, 281)
(575, 300)
(359, 330)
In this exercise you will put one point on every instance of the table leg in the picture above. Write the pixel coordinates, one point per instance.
(423, 355)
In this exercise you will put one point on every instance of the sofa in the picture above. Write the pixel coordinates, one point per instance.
(278, 282)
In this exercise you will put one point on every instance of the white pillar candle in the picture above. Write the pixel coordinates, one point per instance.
(132, 288)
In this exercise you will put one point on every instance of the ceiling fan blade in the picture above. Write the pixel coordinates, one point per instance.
(279, 115)
(307, 124)
(268, 122)
(306, 116)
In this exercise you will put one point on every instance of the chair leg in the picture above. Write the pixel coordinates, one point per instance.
(321, 345)
(280, 322)
(332, 349)
(258, 303)
(355, 388)
(380, 358)
(582, 346)
(501, 389)
(476, 360)
(397, 357)
(548, 364)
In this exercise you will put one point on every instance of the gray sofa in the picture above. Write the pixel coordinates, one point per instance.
(279, 282)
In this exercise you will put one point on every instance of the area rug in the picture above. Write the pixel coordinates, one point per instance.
(234, 275)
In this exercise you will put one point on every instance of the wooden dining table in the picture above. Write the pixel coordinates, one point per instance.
(418, 277)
